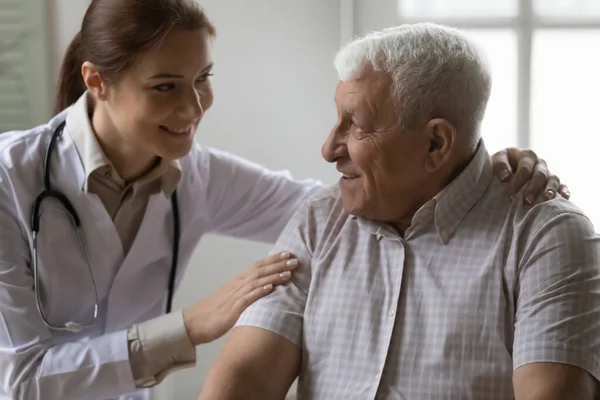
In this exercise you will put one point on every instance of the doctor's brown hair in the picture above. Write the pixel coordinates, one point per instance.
(114, 32)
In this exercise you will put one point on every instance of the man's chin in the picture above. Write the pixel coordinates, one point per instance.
(352, 205)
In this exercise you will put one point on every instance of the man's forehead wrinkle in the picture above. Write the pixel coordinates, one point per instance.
(372, 105)
(349, 99)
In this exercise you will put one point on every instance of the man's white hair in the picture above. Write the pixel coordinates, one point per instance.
(437, 72)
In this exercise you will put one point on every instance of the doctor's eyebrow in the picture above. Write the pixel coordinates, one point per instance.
(166, 76)
(177, 76)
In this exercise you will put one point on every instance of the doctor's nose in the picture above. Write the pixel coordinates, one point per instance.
(191, 106)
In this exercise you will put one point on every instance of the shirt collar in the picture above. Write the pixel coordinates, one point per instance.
(450, 206)
(454, 202)
(93, 158)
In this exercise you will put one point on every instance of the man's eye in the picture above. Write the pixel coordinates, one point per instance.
(165, 87)
(357, 126)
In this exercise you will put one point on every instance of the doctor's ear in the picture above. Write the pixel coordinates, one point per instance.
(93, 81)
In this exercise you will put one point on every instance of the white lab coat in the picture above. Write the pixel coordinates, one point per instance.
(218, 193)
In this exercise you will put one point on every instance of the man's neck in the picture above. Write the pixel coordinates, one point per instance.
(438, 183)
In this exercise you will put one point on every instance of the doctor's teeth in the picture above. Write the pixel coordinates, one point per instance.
(184, 130)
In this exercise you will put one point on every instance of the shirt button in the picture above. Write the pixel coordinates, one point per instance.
(392, 313)
(108, 172)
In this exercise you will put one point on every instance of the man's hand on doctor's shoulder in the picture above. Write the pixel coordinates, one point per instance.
(214, 316)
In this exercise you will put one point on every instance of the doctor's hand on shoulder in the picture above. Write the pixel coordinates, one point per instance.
(213, 317)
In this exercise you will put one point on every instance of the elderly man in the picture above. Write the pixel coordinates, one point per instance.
(419, 278)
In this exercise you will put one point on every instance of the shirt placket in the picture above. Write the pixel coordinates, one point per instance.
(395, 263)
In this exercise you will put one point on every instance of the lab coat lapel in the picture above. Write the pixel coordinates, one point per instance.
(97, 226)
(135, 287)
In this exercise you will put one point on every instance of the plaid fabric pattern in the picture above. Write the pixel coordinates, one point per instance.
(478, 286)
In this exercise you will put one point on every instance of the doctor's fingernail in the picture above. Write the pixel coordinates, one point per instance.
(550, 194)
(268, 287)
(504, 175)
(292, 263)
(284, 255)
(285, 274)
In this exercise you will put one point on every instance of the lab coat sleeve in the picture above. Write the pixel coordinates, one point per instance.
(31, 365)
(247, 200)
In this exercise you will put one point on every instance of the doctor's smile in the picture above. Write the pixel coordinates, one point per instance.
(102, 206)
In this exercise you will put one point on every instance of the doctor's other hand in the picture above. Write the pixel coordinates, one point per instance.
(523, 168)
(211, 318)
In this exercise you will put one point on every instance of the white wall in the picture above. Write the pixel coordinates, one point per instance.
(274, 85)
(374, 16)
(64, 21)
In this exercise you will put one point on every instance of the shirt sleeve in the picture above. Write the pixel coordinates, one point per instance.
(248, 201)
(282, 312)
(558, 295)
(158, 347)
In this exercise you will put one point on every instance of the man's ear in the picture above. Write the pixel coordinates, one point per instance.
(442, 139)
(93, 80)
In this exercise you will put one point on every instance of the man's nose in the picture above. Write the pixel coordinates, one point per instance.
(334, 146)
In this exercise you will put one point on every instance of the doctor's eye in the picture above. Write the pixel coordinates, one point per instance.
(165, 87)
(204, 78)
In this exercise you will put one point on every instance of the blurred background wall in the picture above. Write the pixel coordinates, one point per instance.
(274, 84)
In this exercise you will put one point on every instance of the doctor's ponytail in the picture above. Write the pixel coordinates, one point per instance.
(114, 32)
(70, 81)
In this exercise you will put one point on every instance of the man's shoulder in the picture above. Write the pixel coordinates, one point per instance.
(325, 207)
(554, 207)
(533, 217)
(555, 223)
(552, 211)
(325, 199)
(320, 217)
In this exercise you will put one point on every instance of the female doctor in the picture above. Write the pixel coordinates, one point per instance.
(101, 208)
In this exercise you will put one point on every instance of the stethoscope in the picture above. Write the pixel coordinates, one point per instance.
(48, 192)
